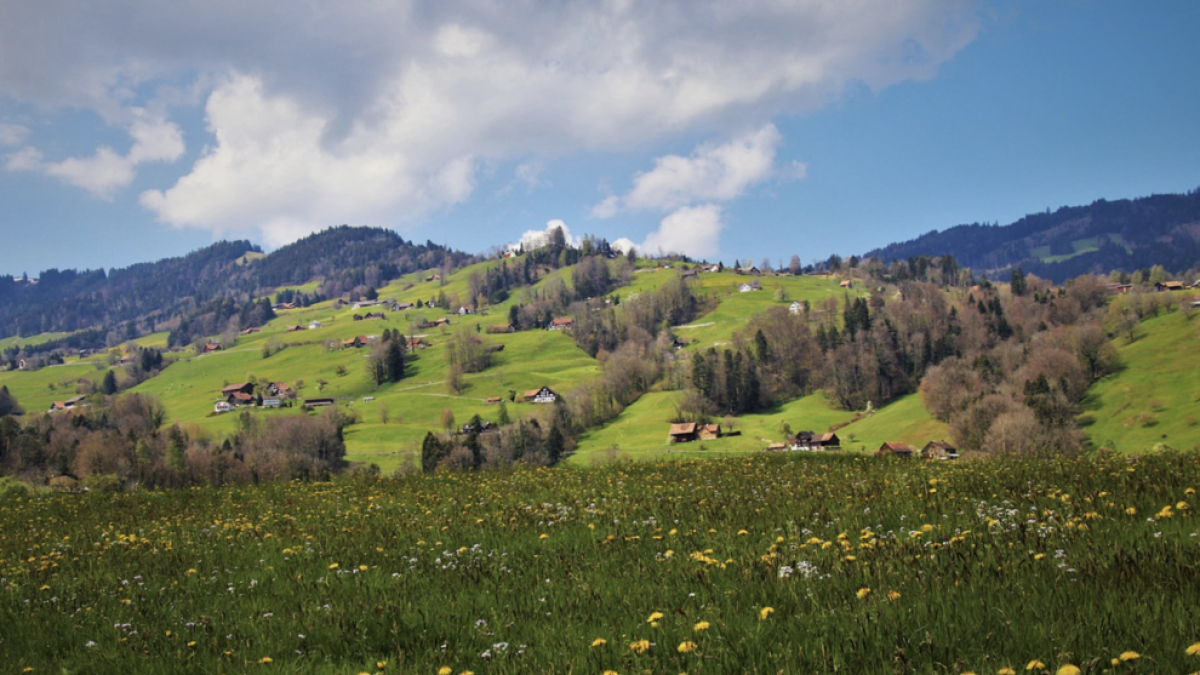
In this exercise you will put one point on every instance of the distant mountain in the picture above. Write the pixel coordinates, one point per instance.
(134, 300)
(1103, 236)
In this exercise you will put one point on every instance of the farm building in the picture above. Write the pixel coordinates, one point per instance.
(709, 432)
(1169, 286)
(543, 395)
(566, 323)
(243, 387)
(506, 328)
(355, 342)
(318, 402)
(939, 450)
(890, 449)
(682, 433)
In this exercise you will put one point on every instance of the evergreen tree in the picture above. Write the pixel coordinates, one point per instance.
(394, 361)
(8, 403)
(432, 452)
(555, 444)
(502, 415)
(109, 386)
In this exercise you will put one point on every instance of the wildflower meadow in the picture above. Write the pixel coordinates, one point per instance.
(759, 564)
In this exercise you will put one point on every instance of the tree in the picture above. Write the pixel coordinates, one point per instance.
(432, 452)
(109, 386)
(383, 413)
(1019, 284)
(394, 360)
(502, 415)
(376, 366)
(555, 444)
(448, 419)
(794, 265)
(8, 403)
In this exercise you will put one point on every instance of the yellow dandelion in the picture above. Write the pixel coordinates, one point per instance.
(1194, 650)
(654, 616)
(609, 672)
(1035, 665)
(1131, 511)
(544, 536)
(364, 673)
(1129, 656)
(639, 646)
(1115, 662)
(742, 532)
(382, 665)
(1006, 671)
(765, 612)
(362, 568)
(599, 642)
(445, 670)
(334, 566)
(192, 644)
(893, 595)
(863, 592)
(45, 587)
(703, 625)
(687, 647)
(1068, 669)
(265, 660)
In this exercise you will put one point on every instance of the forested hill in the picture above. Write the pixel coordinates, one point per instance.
(137, 299)
(1103, 236)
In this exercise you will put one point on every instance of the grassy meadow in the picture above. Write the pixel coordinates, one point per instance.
(1155, 399)
(763, 564)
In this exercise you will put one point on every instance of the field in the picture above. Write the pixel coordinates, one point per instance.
(1156, 398)
(812, 564)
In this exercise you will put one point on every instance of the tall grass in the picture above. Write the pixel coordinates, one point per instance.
(793, 564)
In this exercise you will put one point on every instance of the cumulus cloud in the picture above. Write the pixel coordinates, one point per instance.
(537, 238)
(105, 171)
(691, 230)
(712, 172)
(383, 112)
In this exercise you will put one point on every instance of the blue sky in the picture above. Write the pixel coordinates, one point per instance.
(768, 129)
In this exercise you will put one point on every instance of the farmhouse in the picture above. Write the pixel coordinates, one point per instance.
(250, 331)
(243, 387)
(543, 395)
(796, 307)
(846, 283)
(69, 404)
(690, 274)
(240, 398)
(1120, 289)
(746, 288)
(709, 432)
(890, 449)
(416, 343)
(682, 433)
(506, 328)
(355, 342)
(375, 316)
(208, 348)
(939, 450)
(314, 324)
(278, 389)
(464, 310)
(1169, 286)
(777, 447)
(566, 323)
(293, 329)
(401, 306)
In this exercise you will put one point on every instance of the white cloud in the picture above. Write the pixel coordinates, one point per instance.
(623, 245)
(692, 230)
(712, 172)
(382, 112)
(607, 208)
(537, 238)
(154, 140)
(12, 134)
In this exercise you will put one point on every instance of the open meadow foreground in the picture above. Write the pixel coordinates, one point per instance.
(763, 564)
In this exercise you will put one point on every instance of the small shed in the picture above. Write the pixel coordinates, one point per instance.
(939, 450)
(710, 432)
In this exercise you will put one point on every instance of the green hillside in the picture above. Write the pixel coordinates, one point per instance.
(904, 420)
(1156, 398)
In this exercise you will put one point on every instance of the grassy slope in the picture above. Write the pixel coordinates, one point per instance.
(17, 341)
(905, 420)
(1161, 380)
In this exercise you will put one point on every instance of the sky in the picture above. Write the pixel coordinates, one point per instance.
(133, 130)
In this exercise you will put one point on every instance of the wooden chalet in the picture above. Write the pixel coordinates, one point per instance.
(709, 432)
(543, 395)
(243, 387)
(493, 400)
(252, 330)
(506, 328)
(1120, 289)
(375, 316)
(355, 342)
(684, 432)
(939, 450)
(1169, 286)
(318, 402)
(208, 348)
(777, 447)
(293, 329)
(565, 323)
(890, 449)
(278, 389)
(239, 398)
(847, 283)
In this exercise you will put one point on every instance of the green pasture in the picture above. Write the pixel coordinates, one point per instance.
(904, 420)
(1155, 399)
(33, 388)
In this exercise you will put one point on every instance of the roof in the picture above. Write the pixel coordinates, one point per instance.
(896, 447)
(711, 427)
(943, 445)
(563, 322)
(234, 387)
(242, 396)
(530, 393)
(825, 438)
(684, 428)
